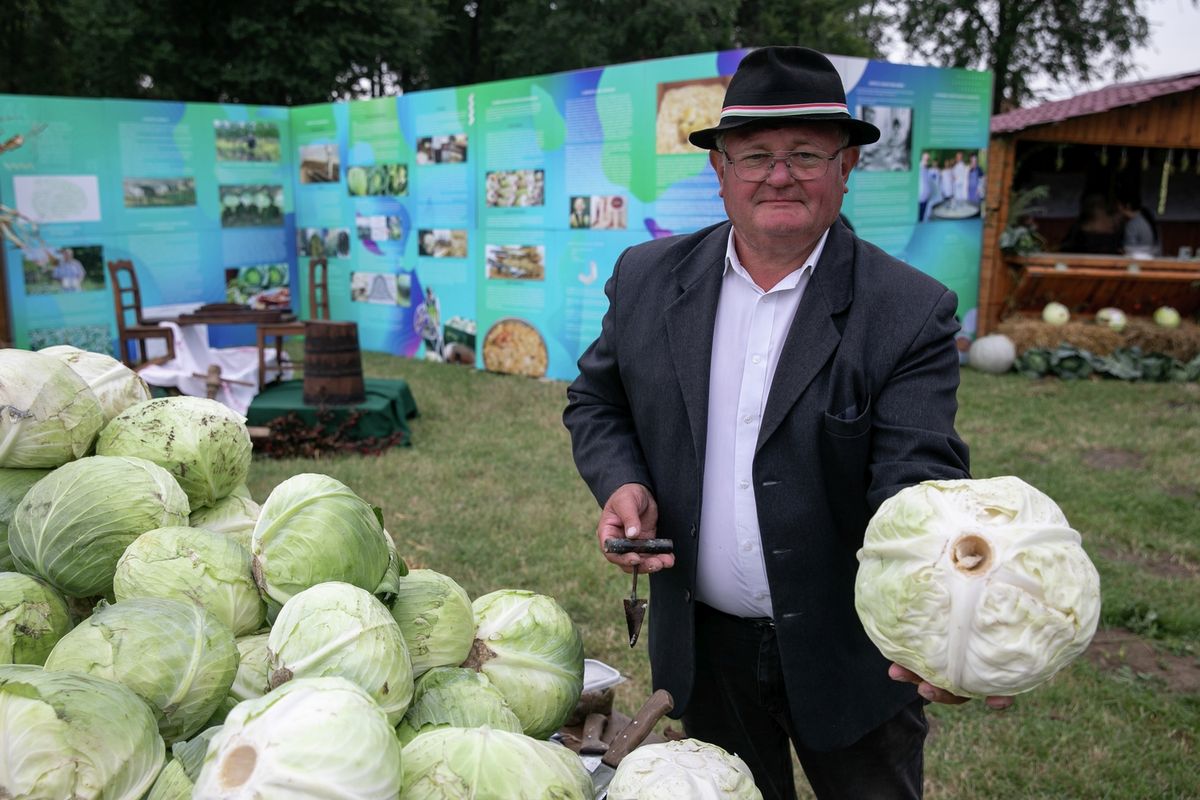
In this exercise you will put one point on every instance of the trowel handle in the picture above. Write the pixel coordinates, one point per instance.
(639, 727)
(651, 546)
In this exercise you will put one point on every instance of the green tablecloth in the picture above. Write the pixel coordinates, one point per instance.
(388, 407)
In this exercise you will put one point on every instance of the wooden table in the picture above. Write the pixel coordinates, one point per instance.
(1087, 282)
(232, 314)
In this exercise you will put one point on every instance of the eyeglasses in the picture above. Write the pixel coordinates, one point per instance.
(802, 165)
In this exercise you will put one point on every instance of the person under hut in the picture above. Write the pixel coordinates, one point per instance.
(1095, 230)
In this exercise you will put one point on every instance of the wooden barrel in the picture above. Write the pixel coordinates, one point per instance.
(333, 373)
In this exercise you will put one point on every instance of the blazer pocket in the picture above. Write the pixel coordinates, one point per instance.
(849, 423)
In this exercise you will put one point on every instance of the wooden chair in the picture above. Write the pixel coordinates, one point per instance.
(318, 304)
(132, 326)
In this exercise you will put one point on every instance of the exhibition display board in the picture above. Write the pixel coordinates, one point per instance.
(474, 224)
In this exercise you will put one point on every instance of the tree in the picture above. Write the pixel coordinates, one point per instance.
(1019, 40)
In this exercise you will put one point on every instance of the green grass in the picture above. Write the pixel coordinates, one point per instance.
(488, 494)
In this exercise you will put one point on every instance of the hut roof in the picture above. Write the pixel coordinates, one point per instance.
(1095, 102)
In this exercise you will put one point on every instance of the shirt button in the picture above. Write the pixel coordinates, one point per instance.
(747, 419)
(747, 546)
(743, 484)
(756, 359)
(761, 596)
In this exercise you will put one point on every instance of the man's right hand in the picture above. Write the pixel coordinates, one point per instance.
(631, 513)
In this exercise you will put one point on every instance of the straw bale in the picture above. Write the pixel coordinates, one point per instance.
(1028, 333)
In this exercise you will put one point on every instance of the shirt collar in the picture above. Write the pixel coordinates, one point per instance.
(732, 262)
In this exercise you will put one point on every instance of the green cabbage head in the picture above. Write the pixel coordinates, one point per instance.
(14, 484)
(310, 738)
(687, 768)
(176, 656)
(201, 442)
(530, 650)
(339, 629)
(48, 415)
(32, 619)
(195, 565)
(313, 529)
(178, 777)
(435, 615)
(452, 763)
(115, 385)
(981, 587)
(233, 515)
(73, 525)
(80, 737)
(455, 697)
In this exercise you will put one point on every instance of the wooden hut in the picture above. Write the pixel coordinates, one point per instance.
(1141, 138)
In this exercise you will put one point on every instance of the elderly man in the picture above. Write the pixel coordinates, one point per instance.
(758, 388)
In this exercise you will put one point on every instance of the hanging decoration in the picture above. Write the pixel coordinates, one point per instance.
(1104, 155)
(1124, 162)
(1145, 159)
(1058, 159)
(1185, 161)
(1162, 184)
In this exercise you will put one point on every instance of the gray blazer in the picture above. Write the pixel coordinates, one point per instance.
(862, 404)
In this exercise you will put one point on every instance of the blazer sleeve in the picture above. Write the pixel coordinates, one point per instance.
(913, 437)
(604, 439)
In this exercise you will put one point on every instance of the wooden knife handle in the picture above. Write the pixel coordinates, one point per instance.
(639, 727)
(651, 546)
(591, 742)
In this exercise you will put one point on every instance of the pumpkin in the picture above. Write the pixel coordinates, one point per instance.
(994, 354)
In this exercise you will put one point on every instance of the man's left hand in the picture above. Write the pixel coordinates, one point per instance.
(935, 695)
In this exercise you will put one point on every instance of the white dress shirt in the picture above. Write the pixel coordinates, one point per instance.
(751, 326)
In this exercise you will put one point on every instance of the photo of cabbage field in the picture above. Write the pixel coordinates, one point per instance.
(250, 205)
(246, 141)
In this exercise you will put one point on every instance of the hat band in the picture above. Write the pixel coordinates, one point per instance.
(798, 110)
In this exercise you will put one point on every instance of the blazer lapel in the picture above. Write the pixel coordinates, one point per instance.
(691, 319)
(814, 335)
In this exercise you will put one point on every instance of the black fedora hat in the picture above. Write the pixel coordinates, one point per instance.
(783, 85)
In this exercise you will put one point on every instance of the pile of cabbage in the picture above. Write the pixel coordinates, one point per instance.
(163, 635)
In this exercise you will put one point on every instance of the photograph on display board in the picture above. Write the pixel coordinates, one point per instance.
(442, 243)
(516, 261)
(263, 287)
(683, 107)
(450, 149)
(377, 180)
(378, 288)
(247, 141)
(458, 337)
(378, 227)
(609, 212)
(159, 192)
(96, 338)
(327, 242)
(58, 198)
(581, 213)
(953, 183)
(893, 151)
(63, 270)
(251, 205)
(514, 347)
(515, 187)
(320, 163)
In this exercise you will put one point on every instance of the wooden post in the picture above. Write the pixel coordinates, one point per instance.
(995, 283)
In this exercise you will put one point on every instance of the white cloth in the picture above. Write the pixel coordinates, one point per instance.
(751, 326)
(188, 371)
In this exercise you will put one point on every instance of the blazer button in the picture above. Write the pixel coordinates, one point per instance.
(693, 531)
(687, 595)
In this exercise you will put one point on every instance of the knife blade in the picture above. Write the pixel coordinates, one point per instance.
(603, 767)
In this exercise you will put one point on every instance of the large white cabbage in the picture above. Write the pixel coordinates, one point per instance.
(73, 525)
(74, 736)
(203, 443)
(14, 484)
(32, 619)
(310, 739)
(687, 768)
(455, 697)
(253, 673)
(48, 415)
(979, 586)
(233, 515)
(453, 763)
(341, 630)
(176, 656)
(435, 615)
(528, 647)
(313, 529)
(115, 385)
(195, 565)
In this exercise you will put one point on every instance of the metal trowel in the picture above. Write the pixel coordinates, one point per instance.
(635, 607)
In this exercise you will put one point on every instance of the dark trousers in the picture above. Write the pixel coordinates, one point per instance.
(739, 703)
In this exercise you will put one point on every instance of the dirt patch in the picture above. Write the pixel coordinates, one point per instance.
(1160, 564)
(1108, 459)
(1116, 650)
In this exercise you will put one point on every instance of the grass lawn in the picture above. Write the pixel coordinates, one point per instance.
(488, 495)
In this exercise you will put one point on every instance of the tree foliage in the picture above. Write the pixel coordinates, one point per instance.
(1066, 41)
(307, 51)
